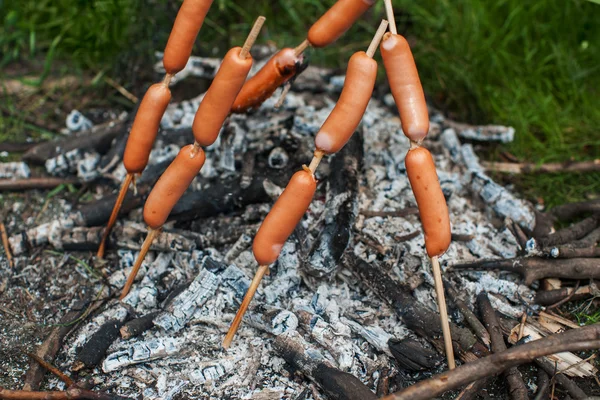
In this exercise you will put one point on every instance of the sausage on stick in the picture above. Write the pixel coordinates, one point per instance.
(164, 195)
(405, 83)
(273, 233)
(336, 21)
(297, 196)
(433, 211)
(147, 120)
(187, 24)
(188, 163)
(410, 99)
(139, 144)
(221, 94)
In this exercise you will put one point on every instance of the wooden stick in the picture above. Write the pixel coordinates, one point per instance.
(167, 79)
(284, 92)
(389, 10)
(6, 245)
(262, 270)
(63, 377)
(258, 24)
(34, 183)
(377, 38)
(573, 340)
(115, 214)
(550, 168)
(439, 291)
(152, 233)
(126, 93)
(301, 47)
(314, 163)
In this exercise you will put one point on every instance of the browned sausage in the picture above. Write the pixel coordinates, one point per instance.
(145, 127)
(283, 217)
(347, 113)
(217, 102)
(183, 35)
(172, 184)
(277, 71)
(433, 210)
(337, 20)
(405, 86)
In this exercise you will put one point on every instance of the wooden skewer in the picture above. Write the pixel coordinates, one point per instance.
(258, 24)
(6, 245)
(377, 38)
(441, 299)
(115, 214)
(314, 164)
(167, 79)
(390, 16)
(152, 233)
(262, 270)
(301, 47)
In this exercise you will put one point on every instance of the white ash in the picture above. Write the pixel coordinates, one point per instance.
(161, 153)
(234, 278)
(184, 306)
(375, 335)
(287, 279)
(141, 352)
(76, 121)
(14, 170)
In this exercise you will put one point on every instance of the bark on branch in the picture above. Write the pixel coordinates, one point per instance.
(576, 340)
(534, 268)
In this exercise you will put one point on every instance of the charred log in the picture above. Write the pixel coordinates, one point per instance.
(335, 383)
(341, 209)
(416, 316)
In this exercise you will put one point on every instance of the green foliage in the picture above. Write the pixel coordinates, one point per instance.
(532, 65)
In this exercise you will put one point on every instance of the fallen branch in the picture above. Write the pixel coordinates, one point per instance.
(535, 268)
(564, 382)
(469, 316)
(33, 183)
(572, 210)
(571, 233)
(6, 245)
(98, 138)
(415, 315)
(549, 168)
(73, 393)
(516, 387)
(337, 384)
(49, 348)
(549, 297)
(403, 212)
(586, 338)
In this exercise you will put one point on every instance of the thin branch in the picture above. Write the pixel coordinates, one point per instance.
(576, 340)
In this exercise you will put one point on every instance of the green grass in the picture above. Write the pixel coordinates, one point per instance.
(532, 65)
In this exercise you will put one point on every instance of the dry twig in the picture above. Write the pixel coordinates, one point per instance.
(576, 340)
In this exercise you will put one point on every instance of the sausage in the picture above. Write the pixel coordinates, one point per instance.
(183, 35)
(347, 113)
(172, 184)
(406, 86)
(277, 71)
(283, 217)
(336, 21)
(220, 96)
(433, 210)
(145, 127)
